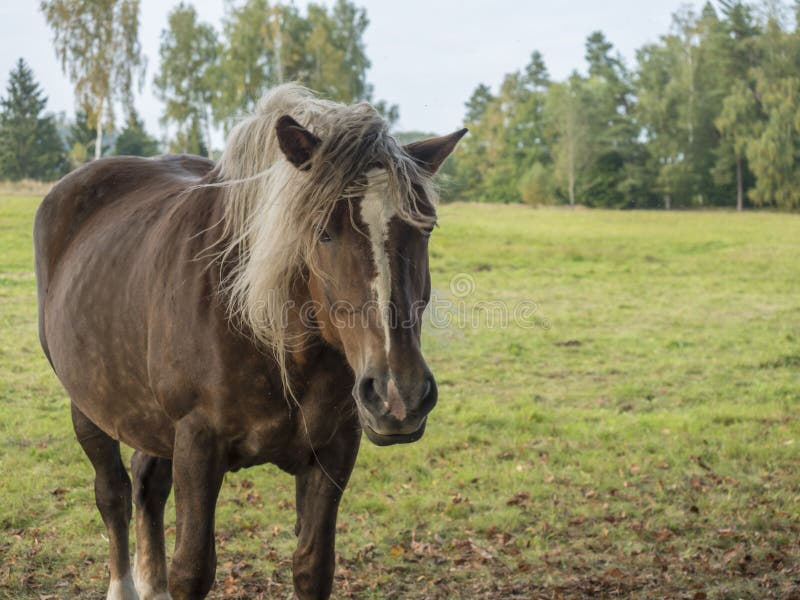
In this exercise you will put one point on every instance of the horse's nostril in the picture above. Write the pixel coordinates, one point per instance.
(429, 396)
(367, 392)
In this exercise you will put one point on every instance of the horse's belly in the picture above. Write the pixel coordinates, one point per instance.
(115, 400)
(97, 340)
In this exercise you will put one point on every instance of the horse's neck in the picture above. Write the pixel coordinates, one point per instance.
(215, 233)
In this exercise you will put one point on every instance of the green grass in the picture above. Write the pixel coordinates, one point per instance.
(637, 437)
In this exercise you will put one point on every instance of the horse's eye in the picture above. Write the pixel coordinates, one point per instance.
(427, 232)
(324, 236)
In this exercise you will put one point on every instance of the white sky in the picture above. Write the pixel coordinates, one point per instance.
(427, 55)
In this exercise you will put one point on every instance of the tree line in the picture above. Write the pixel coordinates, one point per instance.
(708, 116)
(206, 79)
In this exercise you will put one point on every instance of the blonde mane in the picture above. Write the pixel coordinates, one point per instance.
(274, 212)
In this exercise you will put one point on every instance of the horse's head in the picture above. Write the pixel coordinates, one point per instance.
(371, 284)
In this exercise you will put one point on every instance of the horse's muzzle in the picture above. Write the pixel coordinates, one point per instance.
(391, 414)
(380, 439)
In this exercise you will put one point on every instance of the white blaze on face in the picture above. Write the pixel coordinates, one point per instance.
(377, 209)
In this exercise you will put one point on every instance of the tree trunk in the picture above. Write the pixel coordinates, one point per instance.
(739, 186)
(277, 42)
(572, 169)
(208, 133)
(278, 57)
(98, 144)
(572, 190)
(667, 202)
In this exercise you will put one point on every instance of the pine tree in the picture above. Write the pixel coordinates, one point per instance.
(190, 140)
(134, 140)
(81, 139)
(30, 146)
(478, 103)
(536, 75)
(612, 131)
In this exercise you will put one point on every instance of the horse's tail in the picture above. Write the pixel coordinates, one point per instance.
(51, 234)
(42, 262)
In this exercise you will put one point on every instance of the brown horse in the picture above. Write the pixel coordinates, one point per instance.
(214, 317)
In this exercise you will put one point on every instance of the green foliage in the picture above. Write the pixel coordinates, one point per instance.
(580, 134)
(189, 77)
(335, 43)
(740, 118)
(570, 135)
(680, 88)
(478, 103)
(536, 185)
(81, 140)
(97, 42)
(190, 140)
(30, 146)
(774, 152)
(709, 116)
(266, 44)
(607, 102)
(506, 137)
(134, 140)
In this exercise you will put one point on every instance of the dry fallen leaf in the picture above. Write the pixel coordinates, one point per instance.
(664, 534)
(614, 573)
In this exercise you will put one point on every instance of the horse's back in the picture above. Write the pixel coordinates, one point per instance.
(86, 192)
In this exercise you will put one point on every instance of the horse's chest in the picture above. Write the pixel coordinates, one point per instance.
(291, 435)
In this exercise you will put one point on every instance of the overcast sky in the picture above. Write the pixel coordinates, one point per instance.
(427, 55)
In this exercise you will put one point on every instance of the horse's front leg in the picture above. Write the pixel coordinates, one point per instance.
(319, 490)
(198, 467)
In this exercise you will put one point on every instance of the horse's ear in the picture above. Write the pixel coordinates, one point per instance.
(297, 143)
(431, 153)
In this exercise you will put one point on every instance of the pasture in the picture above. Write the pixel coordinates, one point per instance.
(637, 437)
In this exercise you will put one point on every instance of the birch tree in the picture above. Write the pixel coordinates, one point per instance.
(571, 151)
(739, 118)
(186, 81)
(97, 42)
(264, 45)
(774, 153)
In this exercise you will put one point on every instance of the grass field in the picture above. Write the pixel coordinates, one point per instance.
(638, 438)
